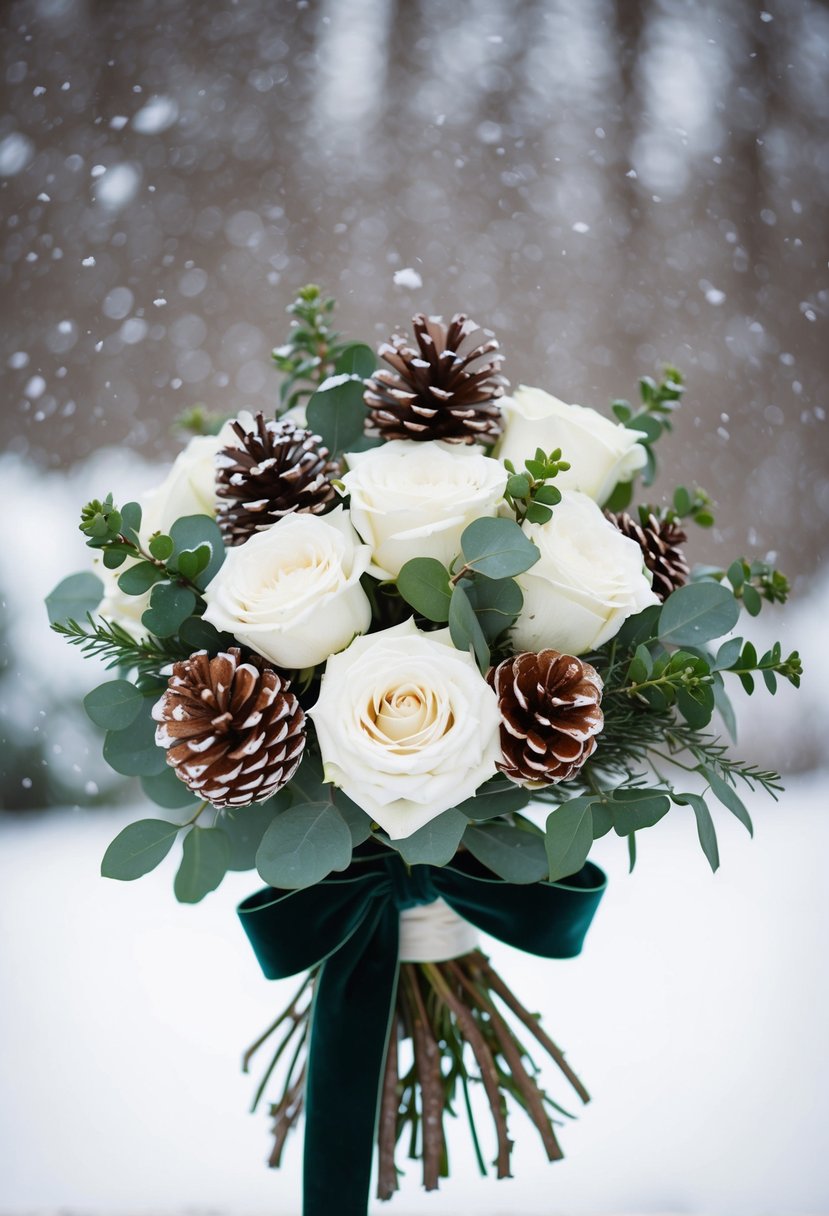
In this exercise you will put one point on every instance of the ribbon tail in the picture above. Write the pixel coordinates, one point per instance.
(352, 1017)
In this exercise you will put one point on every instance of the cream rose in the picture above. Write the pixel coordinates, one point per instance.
(292, 592)
(415, 499)
(190, 486)
(588, 580)
(407, 726)
(601, 453)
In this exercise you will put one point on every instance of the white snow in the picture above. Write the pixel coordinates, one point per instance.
(35, 388)
(714, 296)
(155, 116)
(16, 152)
(580, 226)
(407, 277)
(18, 359)
(118, 186)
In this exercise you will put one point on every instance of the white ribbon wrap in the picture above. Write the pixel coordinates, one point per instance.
(433, 933)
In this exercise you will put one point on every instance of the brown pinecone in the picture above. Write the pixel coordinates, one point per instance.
(431, 393)
(660, 541)
(550, 715)
(276, 468)
(234, 732)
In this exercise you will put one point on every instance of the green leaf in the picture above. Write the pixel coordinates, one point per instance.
(190, 532)
(650, 427)
(498, 796)
(139, 578)
(114, 705)
(728, 796)
(752, 600)
(303, 845)
(512, 854)
(696, 705)
(133, 752)
(464, 628)
(74, 597)
(161, 547)
(170, 606)
(697, 613)
(424, 583)
(682, 500)
(436, 842)
(621, 497)
(728, 654)
(199, 634)
(569, 837)
(356, 359)
(337, 413)
(359, 823)
(638, 629)
(191, 562)
(725, 708)
(246, 825)
(635, 809)
(705, 827)
(167, 790)
(497, 548)
(131, 520)
(138, 849)
(496, 602)
(204, 863)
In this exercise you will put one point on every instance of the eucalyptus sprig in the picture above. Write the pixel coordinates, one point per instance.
(199, 420)
(528, 493)
(659, 401)
(313, 347)
(751, 582)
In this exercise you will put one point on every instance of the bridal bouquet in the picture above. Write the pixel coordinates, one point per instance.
(407, 650)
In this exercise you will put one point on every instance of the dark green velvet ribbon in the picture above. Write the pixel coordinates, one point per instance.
(348, 925)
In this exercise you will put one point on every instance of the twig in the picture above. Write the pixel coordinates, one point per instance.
(387, 1182)
(427, 1059)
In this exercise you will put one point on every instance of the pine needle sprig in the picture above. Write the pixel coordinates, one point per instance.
(109, 641)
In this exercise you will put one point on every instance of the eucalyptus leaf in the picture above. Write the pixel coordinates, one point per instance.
(138, 849)
(204, 863)
(170, 606)
(337, 413)
(167, 790)
(512, 854)
(74, 598)
(498, 796)
(705, 827)
(497, 548)
(303, 845)
(131, 519)
(424, 583)
(697, 613)
(134, 752)
(728, 796)
(356, 359)
(496, 602)
(139, 578)
(436, 842)
(636, 809)
(114, 705)
(359, 822)
(464, 628)
(569, 837)
(246, 825)
(190, 532)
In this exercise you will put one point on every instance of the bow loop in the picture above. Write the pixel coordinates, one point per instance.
(412, 885)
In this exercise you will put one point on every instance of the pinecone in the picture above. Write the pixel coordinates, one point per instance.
(550, 707)
(275, 468)
(234, 732)
(431, 393)
(660, 541)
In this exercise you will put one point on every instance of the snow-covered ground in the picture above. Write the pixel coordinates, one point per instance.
(697, 1016)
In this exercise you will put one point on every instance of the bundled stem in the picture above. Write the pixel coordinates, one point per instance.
(447, 1012)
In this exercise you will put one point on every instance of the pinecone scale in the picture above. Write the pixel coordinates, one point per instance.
(233, 730)
(661, 542)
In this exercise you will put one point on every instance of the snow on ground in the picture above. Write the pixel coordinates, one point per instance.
(696, 1016)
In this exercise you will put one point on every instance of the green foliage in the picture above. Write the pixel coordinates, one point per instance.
(770, 665)
(303, 845)
(313, 347)
(337, 413)
(751, 582)
(436, 842)
(204, 863)
(568, 838)
(73, 597)
(133, 752)
(199, 420)
(110, 641)
(496, 548)
(138, 849)
(246, 825)
(705, 826)
(114, 705)
(424, 583)
(528, 493)
(200, 536)
(167, 790)
(496, 603)
(682, 679)
(653, 417)
(697, 613)
(170, 606)
(509, 850)
(464, 627)
(498, 796)
(694, 505)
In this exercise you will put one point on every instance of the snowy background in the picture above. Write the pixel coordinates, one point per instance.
(609, 186)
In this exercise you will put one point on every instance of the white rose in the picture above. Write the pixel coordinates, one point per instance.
(601, 453)
(407, 726)
(588, 580)
(292, 592)
(190, 486)
(415, 499)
